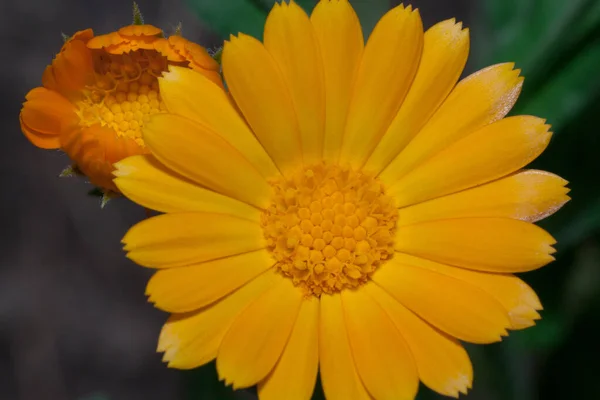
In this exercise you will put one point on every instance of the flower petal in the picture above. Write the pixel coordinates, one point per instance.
(191, 95)
(44, 116)
(290, 39)
(340, 38)
(449, 304)
(191, 287)
(490, 153)
(478, 100)
(192, 339)
(180, 239)
(445, 51)
(389, 64)
(485, 244)
(200, 154)
(382, 357)
(149, 183)
(338, 372)
(259, 90)
(442, 362)
(295, 374)
(529, 195)
(517, 298)
(257, 338)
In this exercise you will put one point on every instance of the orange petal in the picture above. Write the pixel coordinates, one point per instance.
(452, 305)
(192, 339)
(198, 58)
(445, 51)
(73, 68)
(386, 72)
(486, 244)
(44, 116)
(191, 287)
(442, 362)
(338, 371)
(478, 100)
(294, 376)
(257, 338)
(518, 299)
(180, 239)
(527, 195)
(488, 154)
(383, 359)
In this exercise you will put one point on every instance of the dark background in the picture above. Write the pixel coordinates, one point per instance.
(74, 323)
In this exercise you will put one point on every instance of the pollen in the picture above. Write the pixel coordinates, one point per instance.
(329, 228)
(125, 92)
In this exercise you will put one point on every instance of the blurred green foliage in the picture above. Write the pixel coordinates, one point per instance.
(556, 43)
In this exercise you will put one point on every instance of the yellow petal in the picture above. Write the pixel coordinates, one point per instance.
(149, 183)
(486, 244)
(191, 287)
(442, 362)
(478, 100)
(449, 304)
(192, 95)
(198, 153)
(445, 51)
(389, 64)
(517, 298)
(382, 357)
(290, 39)
(192, 339)
(179, 239)
(490, 153)
(529, 195)
(295, 374)
(259, 90)
(256, 339)
(340, 38)
(338, 372)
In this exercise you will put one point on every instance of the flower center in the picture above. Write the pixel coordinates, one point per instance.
(329, 228)
(124, 93)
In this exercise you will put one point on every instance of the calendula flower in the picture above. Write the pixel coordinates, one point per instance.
(362, 216)
(100, 91)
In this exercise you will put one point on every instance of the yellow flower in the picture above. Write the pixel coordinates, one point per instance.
(100, 91)
(362, 216)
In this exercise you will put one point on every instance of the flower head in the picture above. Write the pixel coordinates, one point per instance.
(363, 215)
(100, 91)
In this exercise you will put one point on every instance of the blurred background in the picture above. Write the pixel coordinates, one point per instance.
(74, 323)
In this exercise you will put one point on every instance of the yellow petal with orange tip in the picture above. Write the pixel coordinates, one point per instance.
(445, 51)
(295, 374)
(389, 64)
(529, 195)
(149, 183)
(45, 114)
(338, 372)
(518, 299)
(179, 239)
(490, 153)
(383, 359)
(194, 286)
(485, 244)
(195, 151)
(478, 100)
(451, 305)
(257, 338)
(259, 90)
(290, 40)
(341, 42)
(193, 339)
(442, 362)
(179, 90)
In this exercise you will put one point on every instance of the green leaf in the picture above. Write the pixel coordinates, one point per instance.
(138, 19)
(231, 16)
